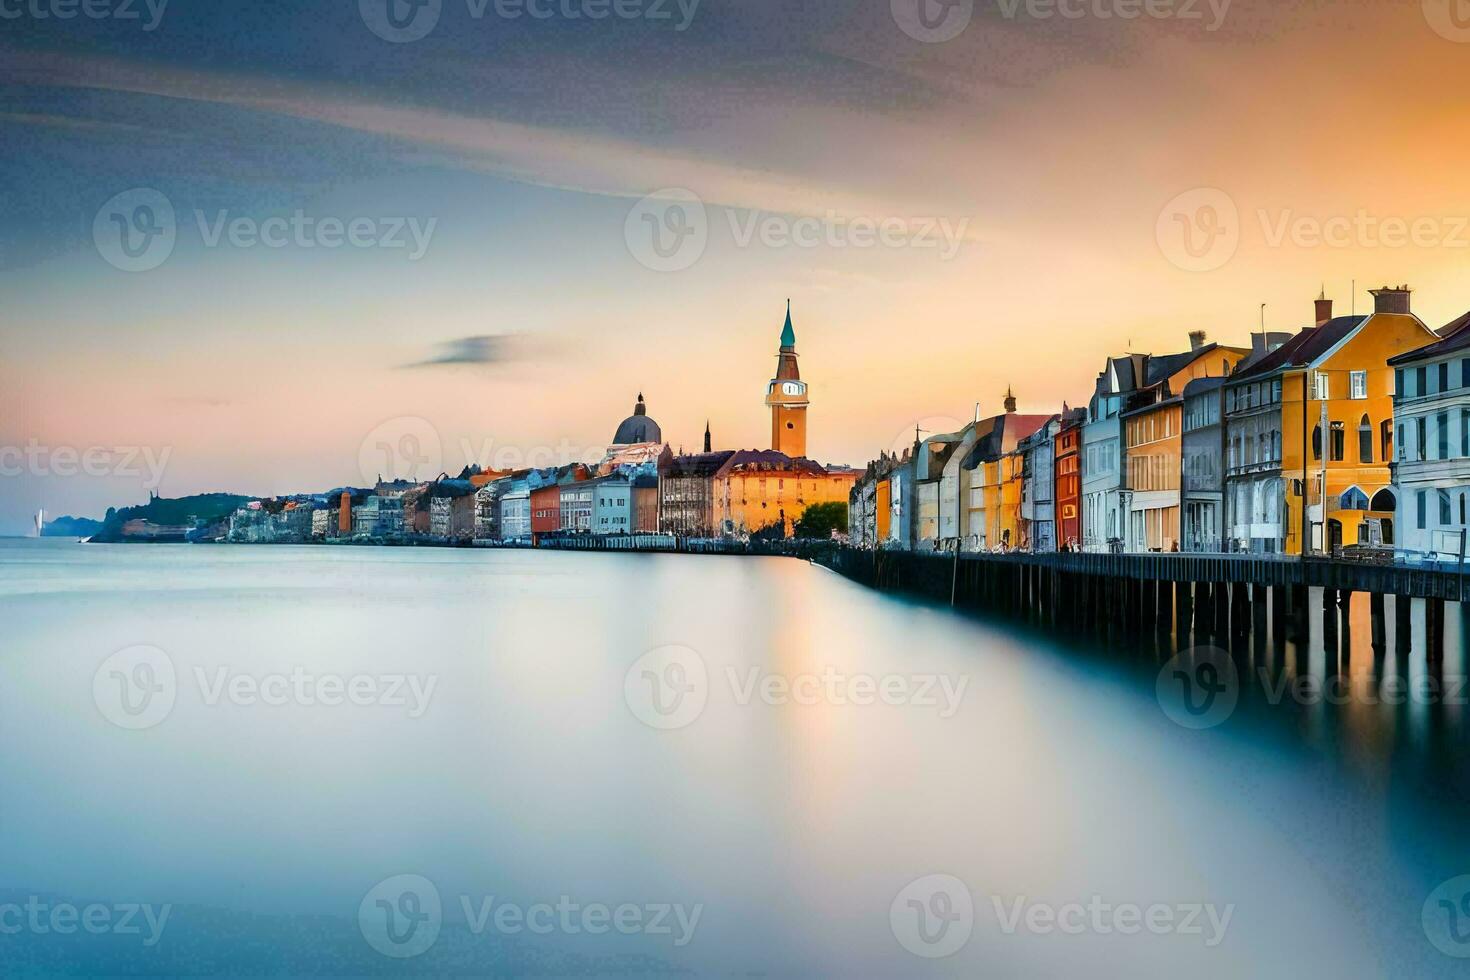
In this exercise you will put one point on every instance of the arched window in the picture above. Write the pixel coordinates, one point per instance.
(1317, 442)
(1385, 440)
(1444, 509)
(1354, 499)
(1365, 441)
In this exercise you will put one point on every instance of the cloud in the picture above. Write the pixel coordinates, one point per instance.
(485, 349)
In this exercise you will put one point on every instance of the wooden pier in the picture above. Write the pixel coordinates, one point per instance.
(1221, 597)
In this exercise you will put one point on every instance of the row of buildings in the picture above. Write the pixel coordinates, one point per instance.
(1352, 434)
(640, 486)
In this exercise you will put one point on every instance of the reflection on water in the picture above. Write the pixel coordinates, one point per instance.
(398, 761)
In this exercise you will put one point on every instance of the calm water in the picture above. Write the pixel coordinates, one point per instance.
(528, 745)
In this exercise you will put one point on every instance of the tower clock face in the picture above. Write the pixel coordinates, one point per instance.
(793, 388)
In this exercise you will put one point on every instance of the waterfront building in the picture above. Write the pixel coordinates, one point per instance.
(378, 516)
(645, 501)
(991, 474)
(545, 511)
(612, 504)
(452, 510)
(576, 503)
(786, 396)
(1431, 411)
(686, 493)
(322, 521)
(1067, 500)
(862, 525)
(933, 455)
(1310, 432)
(1103, 524)
(877, 527)
(1203, 481)
(1038, 487)
(1153, 420)
(513, 507)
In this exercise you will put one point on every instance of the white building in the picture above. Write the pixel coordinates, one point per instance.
(1431, 413)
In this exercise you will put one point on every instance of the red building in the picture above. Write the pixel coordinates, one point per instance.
(545, 511)
(1068, 500)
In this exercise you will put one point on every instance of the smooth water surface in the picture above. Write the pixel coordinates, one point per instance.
(528, 756)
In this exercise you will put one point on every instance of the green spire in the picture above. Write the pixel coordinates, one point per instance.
(788, 335)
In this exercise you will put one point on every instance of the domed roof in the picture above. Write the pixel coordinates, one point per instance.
(638, 427)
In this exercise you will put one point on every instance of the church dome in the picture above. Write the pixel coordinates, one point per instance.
(638, 427)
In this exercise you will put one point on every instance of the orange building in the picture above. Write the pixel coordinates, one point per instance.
(1068, 475)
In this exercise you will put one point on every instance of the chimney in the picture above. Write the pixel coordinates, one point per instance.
(1324, 308)
(1391, 299)
(1196, 339)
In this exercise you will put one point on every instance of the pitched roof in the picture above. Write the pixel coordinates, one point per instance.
(1007, 434)
(1305, 347)
(697, 464)
(748, 460)
(1453, 336)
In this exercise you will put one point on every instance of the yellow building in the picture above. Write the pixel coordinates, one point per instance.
(1153, 445)
(992, 480)
(1309, 432)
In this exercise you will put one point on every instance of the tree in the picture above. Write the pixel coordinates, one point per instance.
(821, 520)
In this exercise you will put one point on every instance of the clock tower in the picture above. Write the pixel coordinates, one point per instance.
(786, 396)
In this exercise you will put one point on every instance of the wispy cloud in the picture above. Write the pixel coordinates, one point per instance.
(485, 349)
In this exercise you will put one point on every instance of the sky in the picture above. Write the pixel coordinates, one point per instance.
(283, 246)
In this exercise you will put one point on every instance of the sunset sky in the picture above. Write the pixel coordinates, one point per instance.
(1064, 158)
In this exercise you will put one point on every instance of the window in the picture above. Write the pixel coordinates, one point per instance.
(1365, 441)
(1444, 509)
(1385, 439)
(1317, 442)
(1398, 382)
(1442, 422)
(1358, 384)
(1421, 437)
(1465, 372)
(1444, 376)
(1421, 383)
(1322, 390)
(1402, 451)
(1421, 504)
(1465, 432)
(1338, 437)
